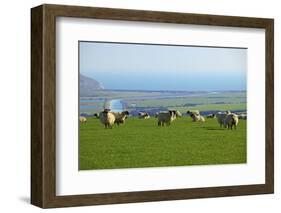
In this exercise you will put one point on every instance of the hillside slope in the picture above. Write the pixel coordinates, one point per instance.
(88, 86)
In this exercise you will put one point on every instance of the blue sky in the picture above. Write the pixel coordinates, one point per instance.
(164, 67)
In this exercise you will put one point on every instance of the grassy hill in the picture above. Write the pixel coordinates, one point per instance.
(88, 86)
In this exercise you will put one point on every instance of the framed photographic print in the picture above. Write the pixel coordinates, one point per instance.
(136, 106)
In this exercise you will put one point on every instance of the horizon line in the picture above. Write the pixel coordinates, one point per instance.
(148, 90)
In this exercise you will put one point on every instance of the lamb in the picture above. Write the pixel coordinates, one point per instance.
(107, 118)
(167, 117)
(143, 115)
(195, 115)
(231, 120)
(211, 116)
(120, 117)
(82, 119)
(221, 117)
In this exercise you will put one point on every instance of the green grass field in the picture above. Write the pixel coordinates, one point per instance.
(141, 143)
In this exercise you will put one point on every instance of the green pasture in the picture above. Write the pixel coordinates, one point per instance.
(141, 143)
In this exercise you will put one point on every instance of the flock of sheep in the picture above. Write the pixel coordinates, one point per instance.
(225, 119)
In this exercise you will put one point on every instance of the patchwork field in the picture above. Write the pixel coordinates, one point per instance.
(152, 102)
(141, 143)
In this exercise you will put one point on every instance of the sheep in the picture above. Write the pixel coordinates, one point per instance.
(82, 119)
(165, 117)
(195, 112)
(231, 120)
(211, 116)
(178, 113)
(107, 118)
(242, 116)
(195, 115)
(96, 115)
(120, 117)
(221, 117)
(199, 118)
(143, 115)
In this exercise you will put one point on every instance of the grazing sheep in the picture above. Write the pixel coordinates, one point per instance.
(120, 117)
(143, 115)
(82, 119)
(195, 118)
(167, 117)
(107, 118)
(195, 112)
(96, 115)
(178, 114)
(231, 120)
(242, 116)
(221, 117)
(211, 116)
(195, 115)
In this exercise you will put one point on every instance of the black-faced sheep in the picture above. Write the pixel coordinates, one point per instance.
(143, 115)
(195, 115)
(242, 116)
(231, 120)
(107, 118)
(211, 116)
(82, 119)
(195, 112)
(120, 117)
(167, 117)
(221, 117)
(178, 113)
(96, 115)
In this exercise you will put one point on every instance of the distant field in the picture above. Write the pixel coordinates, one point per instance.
(143, 101)
(111, 94)
(214, 107)
(193, 100)
(141, 143)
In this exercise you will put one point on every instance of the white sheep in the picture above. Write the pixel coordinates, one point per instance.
(195, 115)
(120, 117)
(199, 118)
(221, 117)
(195, 112)
(211, 116)
(242, 116)
(178, 113)
(166, 117)
(143, 115)
(96, 115)
(82, 119)
(231, 120)
(107, 118)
